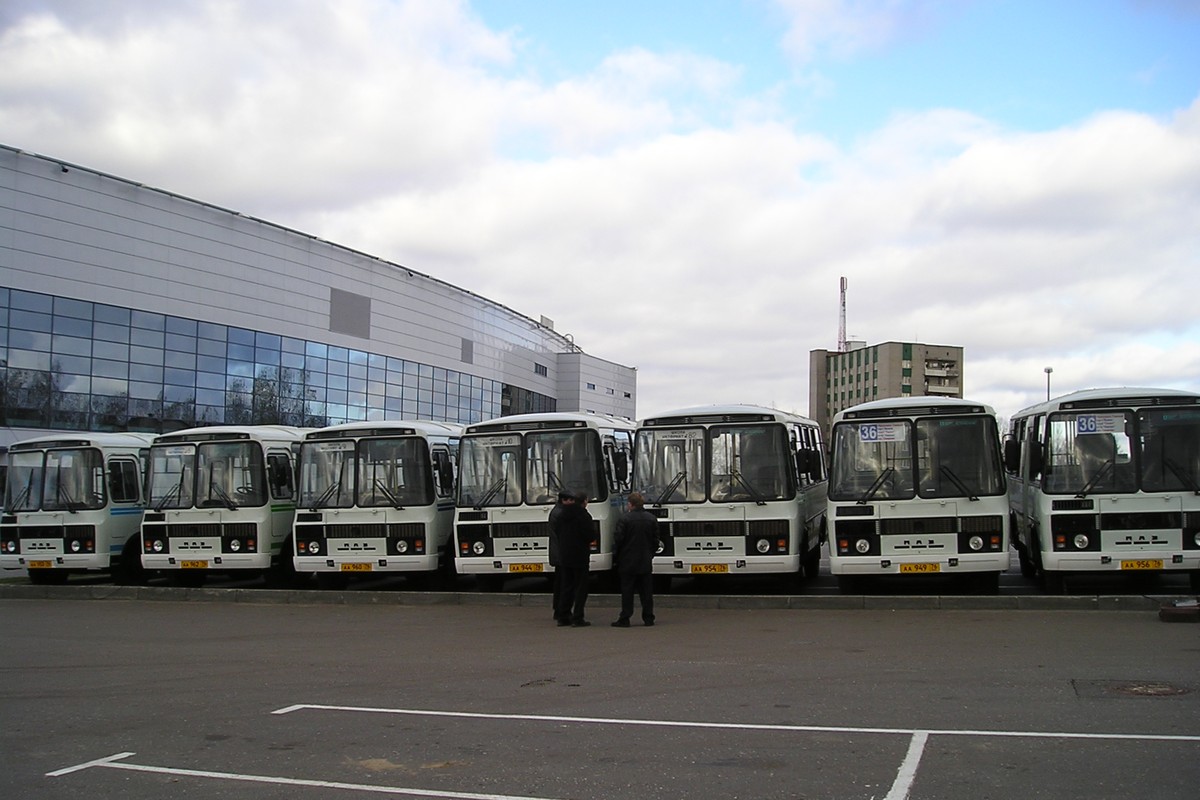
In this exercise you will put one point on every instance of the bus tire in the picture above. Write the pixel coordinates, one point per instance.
(129, 570)
(48, 577)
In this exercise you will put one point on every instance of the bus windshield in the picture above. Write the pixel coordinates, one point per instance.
(558, 460)
(172, 476)
(669, 465)
(1089, 452)
(1170, 449)
(490, 470)
(394, 472)
(959, 457)
(749, 463)
(872, 460)
(211, 475)
(327, 474)
(56, 480)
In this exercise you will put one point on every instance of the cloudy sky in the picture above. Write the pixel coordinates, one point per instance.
(679, 185)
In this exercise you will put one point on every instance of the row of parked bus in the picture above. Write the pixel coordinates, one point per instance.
(1095, 481)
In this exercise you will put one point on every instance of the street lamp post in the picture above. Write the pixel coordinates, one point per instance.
(1048, 371)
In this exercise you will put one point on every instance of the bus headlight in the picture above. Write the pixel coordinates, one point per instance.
(478, 548)
(157, 545)
(1080, 541)
(862, 546)
(975, 542)
(659, 550)
(76, 546)
(762, 546)
(1196, 538)
(234, 545)
(314, 547)
(402, 546)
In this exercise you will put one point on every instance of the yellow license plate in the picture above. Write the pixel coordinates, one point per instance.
(524, 567)
(920, 569)
(356, 567)
(41, 564)
(1143, 563)
(193, 564)
(709, 569)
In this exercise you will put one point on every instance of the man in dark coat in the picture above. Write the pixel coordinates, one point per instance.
(575, 535)
(634, 545)
(562, 604)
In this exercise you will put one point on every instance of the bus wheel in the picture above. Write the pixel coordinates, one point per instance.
(48, 577)
(1053, 582)
(129, 570)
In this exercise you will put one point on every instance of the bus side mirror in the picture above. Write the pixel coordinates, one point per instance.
(620, 461)
(1037, 460)
(1012, 455)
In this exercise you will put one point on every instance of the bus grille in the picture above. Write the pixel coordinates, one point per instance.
(713, 528)
(193, 529)
(918, 526)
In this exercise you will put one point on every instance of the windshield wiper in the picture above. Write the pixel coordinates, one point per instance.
(1184, 477)
(222, 496)
(170, 495)
(388, 494)
(1101, 473)
(22, 497)
(65, 498)
(491, 493)
(325, 495)
(754, 493)
(671, 487)
(874, 487)
(958, 482)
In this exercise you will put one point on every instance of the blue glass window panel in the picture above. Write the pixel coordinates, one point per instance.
(358, 371)
(240, 352)
(337, 367)
(31, 301)
(337, 382)
(180, 360)
(292, 360)
(146, 355)
(425, 370)
(73, 327)
(110, 314)
(317, 365)
(357, 385)
(265, 356)
(179, 377)
(339, 354)
(29, 320)
(109, 386)
(211, 331)
(66, 307)
(393, 405)
(411, 368)
(375, 414)
(110, 369)
(146, 338)
(4, 297)
(356, 399)
(180, 342)
(410, 407)
(186, 327)
(290, 345)
(270, 341)
(212, 397)
(27, 359)
(145, 372)
(211, 364)
(239, 369)
(67, 382)
(210, 414)
(357, 357)
(316, 350)
(210, 380)
(179, 394)
(395, 364)
(240, 336)
(395, 379)
(29, 340)
(208, 347)
(72, 346)
(110, 333)
(80, 365)
(144, 391)
(316, 379)
(147, 320)
(375, 361)
(337, 396)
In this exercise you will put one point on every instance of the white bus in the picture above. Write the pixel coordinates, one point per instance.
(1107, 481)
(221, 499)
(73, 503)
(738, 489)
(510, 471)
(916, 487)
(377, 497)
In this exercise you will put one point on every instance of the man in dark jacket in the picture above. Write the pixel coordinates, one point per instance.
(575, 535)
(634, 545)
(562, 603)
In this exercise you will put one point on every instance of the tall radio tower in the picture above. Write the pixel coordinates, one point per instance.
(842, 320)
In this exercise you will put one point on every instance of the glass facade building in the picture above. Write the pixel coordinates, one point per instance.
(70, 364)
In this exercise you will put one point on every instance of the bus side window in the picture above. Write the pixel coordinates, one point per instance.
(279, 473)
(123, 481)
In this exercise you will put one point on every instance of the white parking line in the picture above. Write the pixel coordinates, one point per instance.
(114, 762)
(908, 769)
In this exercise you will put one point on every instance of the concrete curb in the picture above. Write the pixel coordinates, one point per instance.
(16, 591)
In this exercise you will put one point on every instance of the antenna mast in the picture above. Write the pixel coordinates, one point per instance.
(842, 320)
